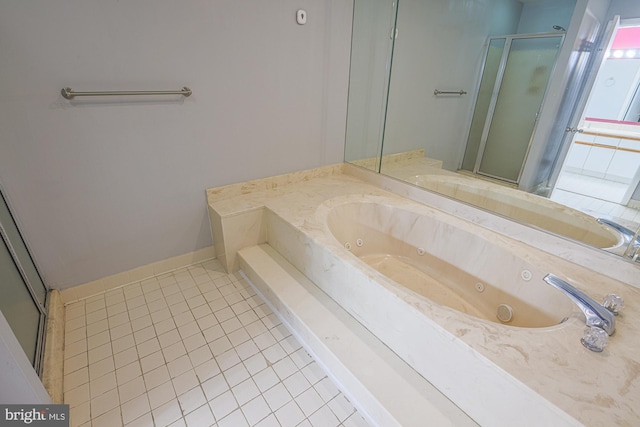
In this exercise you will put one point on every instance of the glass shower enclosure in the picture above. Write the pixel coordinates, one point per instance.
(515, 76)
(372, 41)
(23, 294)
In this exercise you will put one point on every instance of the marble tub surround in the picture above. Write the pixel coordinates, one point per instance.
(242, 224)
(272, 182)
(496, 373)
(400, 164)
(525, 207)
(501, 198)
(577, 253)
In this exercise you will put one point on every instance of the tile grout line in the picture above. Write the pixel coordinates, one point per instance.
(231, 300)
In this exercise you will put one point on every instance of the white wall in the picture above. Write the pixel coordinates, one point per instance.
(102, 186)
(610, 95)
(627, 9)
(541, 16)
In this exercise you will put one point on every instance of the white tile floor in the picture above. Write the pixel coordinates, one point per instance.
(591, 186)
(593, 196)
(195, 347)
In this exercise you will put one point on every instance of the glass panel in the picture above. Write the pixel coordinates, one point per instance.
(371, 48)
(523, 86)
(17, 305)
(485, 93)
(21, 251)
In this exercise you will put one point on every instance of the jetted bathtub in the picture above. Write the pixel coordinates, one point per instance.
(463, 305)
(524, 207)
(448, 265)
(430, 285)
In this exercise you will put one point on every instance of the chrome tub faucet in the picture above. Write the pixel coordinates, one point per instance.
(599, 317)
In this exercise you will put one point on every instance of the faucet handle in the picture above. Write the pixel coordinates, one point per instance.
(614, 303)
(595, 338)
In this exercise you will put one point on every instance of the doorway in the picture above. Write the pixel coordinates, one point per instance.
(23, 294)
(601, 171)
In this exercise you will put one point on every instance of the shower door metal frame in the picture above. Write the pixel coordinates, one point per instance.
(393, 35)
(395, 6)
(506, 49)
(41, 305)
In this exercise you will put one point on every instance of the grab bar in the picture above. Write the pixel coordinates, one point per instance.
(440, 92)
(69, 93)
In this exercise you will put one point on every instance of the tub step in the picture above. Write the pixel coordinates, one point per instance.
(386, 390)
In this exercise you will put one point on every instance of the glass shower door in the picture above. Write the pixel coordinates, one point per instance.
(488, 85)
(17, 306)
(22, 292)
(528, 62)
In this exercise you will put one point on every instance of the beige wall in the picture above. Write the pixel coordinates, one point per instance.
(101, 186)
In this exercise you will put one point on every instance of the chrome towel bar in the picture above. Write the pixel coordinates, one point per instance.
(440, 92)
(69, 93)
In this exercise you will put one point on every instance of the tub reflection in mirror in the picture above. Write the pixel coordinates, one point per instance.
(521, 206)
(393, 109)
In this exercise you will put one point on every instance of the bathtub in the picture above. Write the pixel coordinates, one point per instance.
(434, 288)
(447, 265)
(524, 207)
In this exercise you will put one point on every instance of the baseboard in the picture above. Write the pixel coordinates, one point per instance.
(99, 286)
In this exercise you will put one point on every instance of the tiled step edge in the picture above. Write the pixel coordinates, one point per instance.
(384, 389)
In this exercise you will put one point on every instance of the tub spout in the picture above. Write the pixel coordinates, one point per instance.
(596, 314)
(626, 233)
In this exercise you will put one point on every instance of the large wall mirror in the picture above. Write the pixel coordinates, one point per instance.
(527, 108)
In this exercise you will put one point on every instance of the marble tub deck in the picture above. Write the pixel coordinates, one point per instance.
(591, 388)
